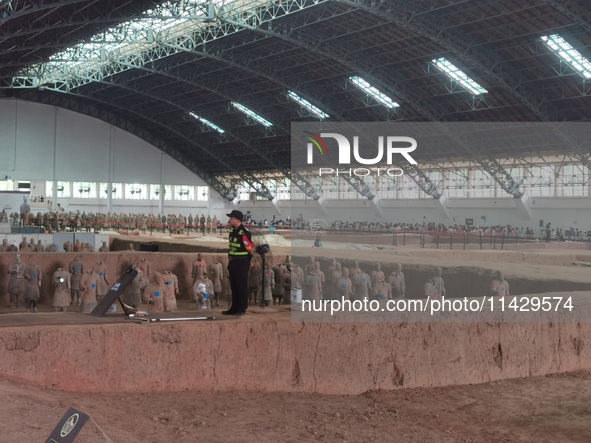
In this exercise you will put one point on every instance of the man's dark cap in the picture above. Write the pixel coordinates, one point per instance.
(236, 214)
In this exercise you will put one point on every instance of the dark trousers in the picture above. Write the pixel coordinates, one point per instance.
(238, 270)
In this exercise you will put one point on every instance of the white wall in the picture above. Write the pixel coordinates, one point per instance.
(33, 134)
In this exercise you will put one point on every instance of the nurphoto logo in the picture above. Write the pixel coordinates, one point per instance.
(386, 147)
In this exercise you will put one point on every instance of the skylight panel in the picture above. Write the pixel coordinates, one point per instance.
(568, 54)
(306, 104)
(374, 92)
(207, 122)
(127, 42)
(252, 114)
(458, 75)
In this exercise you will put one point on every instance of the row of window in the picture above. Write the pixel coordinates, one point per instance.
(537, 181)
(128, 191)
(551, 180)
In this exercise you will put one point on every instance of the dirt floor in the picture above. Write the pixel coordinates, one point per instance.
(542, 409)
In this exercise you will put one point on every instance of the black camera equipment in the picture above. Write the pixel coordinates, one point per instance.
(262, 250)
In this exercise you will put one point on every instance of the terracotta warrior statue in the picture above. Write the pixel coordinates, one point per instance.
(198, 269)
(286, 282)
(361, 285)
(278, 290)
(16, 283)
(155, 293)
(499, 286)
(76, 268)
(312, 285)
(267, 291)
(62, 295)
(343, 286)
(145, 267)
(336, 274)
(32, 277)
(203, 291)
(439, 283)
(254, 278)
(396, 280)
(382, 290)
(216, 273)
(89, 285)
(172, 290)
(377, 274)
(101, 269)
(39, 247)
(132, 294)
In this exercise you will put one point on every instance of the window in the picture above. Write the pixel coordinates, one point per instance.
(135, 191)
(116, 189)
(283, 190)
(407, 188)
(6, 185)
(84, 189)
(456, 183)
(155, 192)
(64, 189)
(482, 184)
(243, 191)
(202, 193)
(183, 192)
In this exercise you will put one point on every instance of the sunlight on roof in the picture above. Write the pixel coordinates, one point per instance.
(252, 114)
(568, 54)
(374, 92)
(458, 75)
(306, 104)
(164, 29)
(207, 122)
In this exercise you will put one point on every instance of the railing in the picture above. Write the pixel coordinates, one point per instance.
(461, 240)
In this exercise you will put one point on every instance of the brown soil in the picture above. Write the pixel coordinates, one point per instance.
(540, 409)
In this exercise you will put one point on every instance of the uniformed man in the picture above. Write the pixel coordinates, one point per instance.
(239, 255)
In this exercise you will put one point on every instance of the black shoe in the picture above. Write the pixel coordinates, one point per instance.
(240, 313)
(229, 312)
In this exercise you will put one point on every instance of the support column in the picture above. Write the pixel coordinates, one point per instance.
(441, 206)
(161, 195)
(322, 205)
(275, 202)
(374, 203)
(522, 205)
(54, 198)
(111, 174)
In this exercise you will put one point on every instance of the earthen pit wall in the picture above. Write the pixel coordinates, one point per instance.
(117, 263)
(283, 356)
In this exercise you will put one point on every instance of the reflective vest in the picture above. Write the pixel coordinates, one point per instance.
(240, 242)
